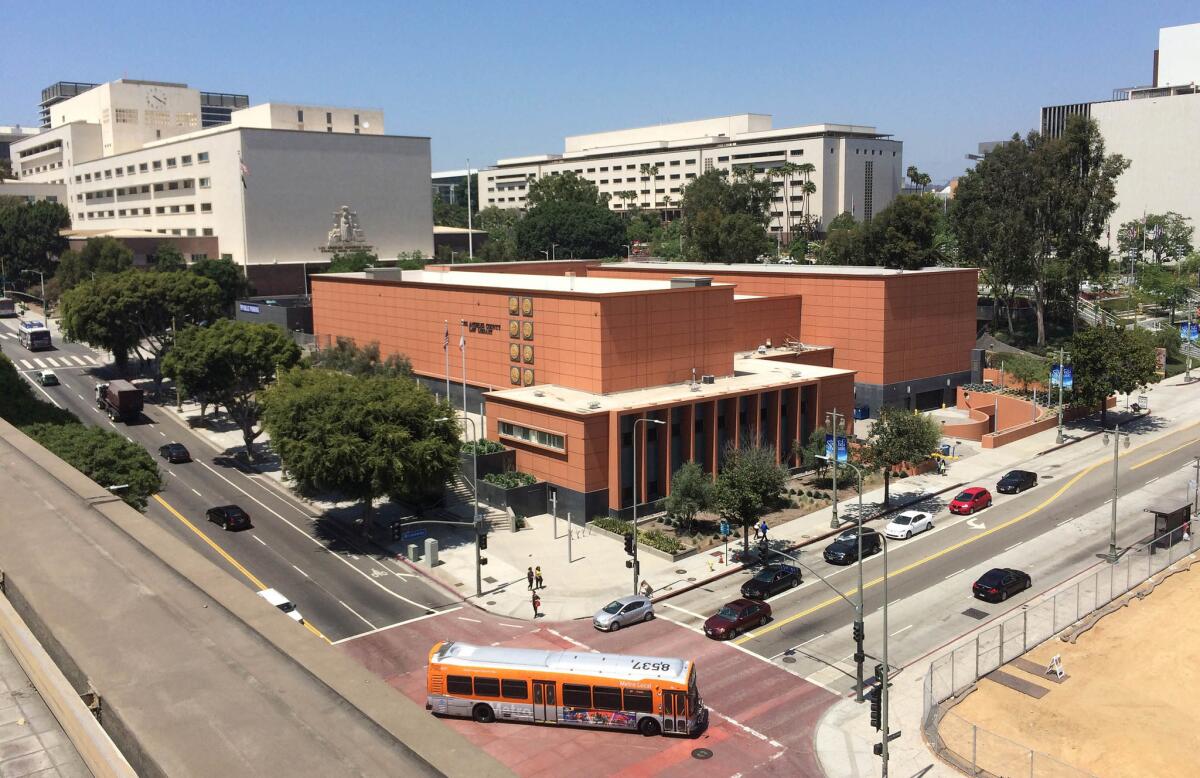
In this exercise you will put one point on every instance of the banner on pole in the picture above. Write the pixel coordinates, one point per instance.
(1189, 332)
(1062, 374)
(843, 448)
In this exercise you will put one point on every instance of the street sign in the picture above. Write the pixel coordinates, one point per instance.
(414, 534)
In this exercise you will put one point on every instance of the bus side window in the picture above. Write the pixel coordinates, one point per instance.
(459, 684)
(638, 701)
(516, 690)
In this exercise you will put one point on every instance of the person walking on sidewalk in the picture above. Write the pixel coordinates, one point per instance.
(537, 578)
(529, 577)
(537, 603)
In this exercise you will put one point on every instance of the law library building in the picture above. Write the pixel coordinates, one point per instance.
(562, 358)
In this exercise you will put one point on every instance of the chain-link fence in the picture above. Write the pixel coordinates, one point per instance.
(982, 752)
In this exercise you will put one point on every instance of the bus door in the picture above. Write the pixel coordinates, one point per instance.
(675, 711)
(545, 706)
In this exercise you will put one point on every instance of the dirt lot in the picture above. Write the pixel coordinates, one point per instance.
(1128, 707)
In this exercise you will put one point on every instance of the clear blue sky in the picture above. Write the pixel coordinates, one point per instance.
(487, 80)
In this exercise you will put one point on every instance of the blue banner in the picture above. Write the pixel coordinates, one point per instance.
(1189, 332)
(843, 452)
(1063, 374)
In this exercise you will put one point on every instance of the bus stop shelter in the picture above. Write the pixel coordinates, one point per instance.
(1172, 521)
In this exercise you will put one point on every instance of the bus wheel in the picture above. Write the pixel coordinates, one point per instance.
(483, 714)
(649, 727)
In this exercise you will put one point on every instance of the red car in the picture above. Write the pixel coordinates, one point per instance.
(737, 616)
(975, 498)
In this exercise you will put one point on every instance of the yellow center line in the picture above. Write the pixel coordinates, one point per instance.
(938, 554)
(1157, 457)
(225, 555)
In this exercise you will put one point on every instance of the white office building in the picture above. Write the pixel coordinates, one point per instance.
(855, 168)
(1155, 127)
(132, 155)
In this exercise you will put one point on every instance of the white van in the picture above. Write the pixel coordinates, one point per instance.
(282, 603)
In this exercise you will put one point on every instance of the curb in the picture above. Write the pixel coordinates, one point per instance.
(796, 546)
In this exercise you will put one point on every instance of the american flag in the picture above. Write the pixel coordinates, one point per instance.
(462, 342)
(446, 338)
(244, 169)
(1157, 234)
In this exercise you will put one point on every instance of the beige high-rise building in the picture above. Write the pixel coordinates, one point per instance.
(855, 168)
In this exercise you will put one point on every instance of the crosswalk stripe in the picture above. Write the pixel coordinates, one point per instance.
(53, 362)
(25, 363)
(80, 361)
(39, 362)
(7, 335)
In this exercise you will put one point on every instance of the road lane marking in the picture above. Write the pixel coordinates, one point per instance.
(1014, 545)
(301, 572)
(400, 624)
(42, 389)
(160, 432)
(197, 493)
(260, 540)
(39, 362)
(1152, 480)
(110, 423)
(79, 361)
(356, 613)
(225, 555)
(319, 544)
(27, 364)
(172, 472)
(952, 548)
(693, 614)
(678, 623)
(1064, 521)
(1157, 457)
(947, 578)
(510, 626)
(798, 645)
(80, 396)
(902, 629)
(53, 362)
(464, 618)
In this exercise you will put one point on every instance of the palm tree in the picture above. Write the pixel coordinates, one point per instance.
(784, 173)
(807, 188)
(627, 196)
(923, 181)
(649, 171)
(913, 175)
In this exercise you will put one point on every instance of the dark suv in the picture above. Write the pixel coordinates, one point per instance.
(771, 580)
(1015, 481)
(230, 517)
(844, 549)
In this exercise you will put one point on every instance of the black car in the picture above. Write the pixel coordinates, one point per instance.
(997, 584)
(771, 580)
(844, 548)
(1015, 481)
(231, 517)
(175, 453)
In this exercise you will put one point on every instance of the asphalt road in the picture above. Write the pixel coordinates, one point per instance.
(340, 590)
(1053, 531)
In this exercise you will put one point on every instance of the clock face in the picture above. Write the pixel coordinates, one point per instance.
(156, 98)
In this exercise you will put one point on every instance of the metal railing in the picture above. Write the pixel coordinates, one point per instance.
(978, 751)
(1095, 315)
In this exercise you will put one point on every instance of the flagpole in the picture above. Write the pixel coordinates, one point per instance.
(446, 351)
(462, 344)
(245, 238)
(470, 229)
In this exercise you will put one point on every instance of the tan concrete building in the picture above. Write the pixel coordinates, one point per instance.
(855, 168)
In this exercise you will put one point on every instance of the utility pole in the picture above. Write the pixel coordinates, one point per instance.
(887, 669)
(470, 228)
(833, 463)
(1196, 482)
(1062, 355)
(1113, 555)
(637, 477)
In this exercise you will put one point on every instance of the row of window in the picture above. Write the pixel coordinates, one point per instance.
(530, 435)
(144, 167)
(573, 695)
(328, 117)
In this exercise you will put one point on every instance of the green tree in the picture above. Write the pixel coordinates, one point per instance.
(691, 492)
(903, 235)
(896, 437)
(346, 357)
(138, 312)
(1165, 235)
(585, 230)
(1026, 368)
(810, 451)
(105, 457)
(710, 199)
(1105, 360)
(501, 227)
(30, 236)
(844, 243)
(99, 256)
(648, 172)
(460, 194)
(229, 363)
(351, 262)
(364, 438)
(167, 258)
(1164, 287)
(742, 239)
(566, 188)
(448, 214)
(229, 278)
(748, 485)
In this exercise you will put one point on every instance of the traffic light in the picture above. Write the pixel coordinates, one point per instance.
(880, 676)
(629, 543)
(483, 542)
(858, 632)
(397, 530)
(876, 698)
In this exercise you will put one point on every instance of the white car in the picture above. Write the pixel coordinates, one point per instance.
(282, 603)
(907, 524)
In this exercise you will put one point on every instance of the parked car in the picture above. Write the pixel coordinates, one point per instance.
(844, 548)
(47, 378)
(1015, 481)
(230, 517)
(282, 603)
(175, 453)
(908, 523)
(976, 498)
(622, 612)
(736, 617)
(997, 584)
(772, 579)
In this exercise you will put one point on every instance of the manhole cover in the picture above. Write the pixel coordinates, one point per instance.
(701, 753)
(458, 584)
(680, 572)
(491, 602)
(1047, 477)
(787, 660)
(806, 536)
(489, 579)
(691, 580)
(974, 613)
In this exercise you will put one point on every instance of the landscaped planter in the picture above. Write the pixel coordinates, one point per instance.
(644, 549)
(525, 501)
(496, 462)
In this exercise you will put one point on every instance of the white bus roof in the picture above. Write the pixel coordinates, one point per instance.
(32, 325)
(618, 666)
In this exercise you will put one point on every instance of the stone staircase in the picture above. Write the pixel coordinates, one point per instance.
(460, 502)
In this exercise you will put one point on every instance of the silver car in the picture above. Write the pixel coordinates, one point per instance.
(622, 612)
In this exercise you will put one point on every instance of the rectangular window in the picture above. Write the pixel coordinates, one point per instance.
(355, 120)
(722, 159)
(160, 209)
(207, 232)
(328, 129)
(120, 172)
(170, 162)
(535, 436)
(514, 690)
(174, 209)
(459, 684)
(300, 115)
(639, 701)
(205, 183)
(328, 117)
(191, 232)
(576, 696)
(108, 174)
(189, 208)
(205, 207)
(186, 159)
(173, 185)
(674, 162)
(487, 687)
(157, 164)
(158, 187)
(606, 697)
(202, 156)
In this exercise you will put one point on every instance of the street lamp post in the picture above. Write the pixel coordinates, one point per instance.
(1062, 355)
(553, 251)
(628, 250)
(637, 476)
(475, 493)
(547, 253)
(833, 464)
(1113, 555)
(42, 280)
(887, 669)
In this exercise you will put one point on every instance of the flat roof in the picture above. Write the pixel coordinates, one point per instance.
(709, 268)
(512, 281)
(621, 666)
(749, 375)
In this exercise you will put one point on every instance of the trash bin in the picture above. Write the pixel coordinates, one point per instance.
(945, 449)
(862, 412)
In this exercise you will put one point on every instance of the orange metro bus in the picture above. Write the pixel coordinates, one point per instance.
(653, 695)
